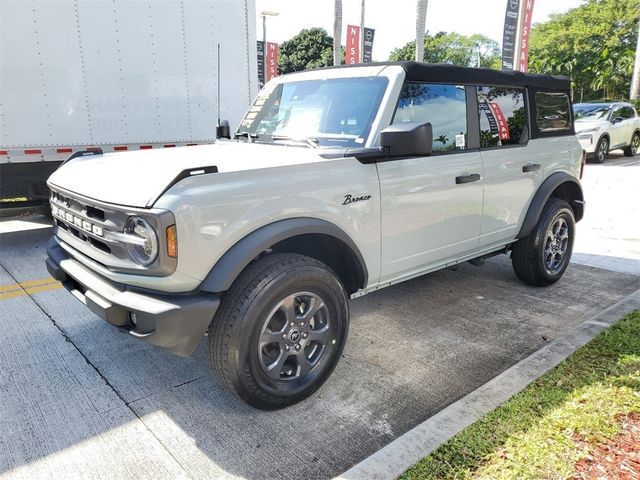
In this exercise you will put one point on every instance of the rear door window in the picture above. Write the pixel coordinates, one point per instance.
(553, 112)
(503, 116)
(444, 106)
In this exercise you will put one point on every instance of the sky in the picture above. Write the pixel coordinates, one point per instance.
(394, 20)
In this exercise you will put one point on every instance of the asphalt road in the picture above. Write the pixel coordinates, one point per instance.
(78, 398)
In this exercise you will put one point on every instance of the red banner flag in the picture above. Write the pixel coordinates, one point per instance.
(503, 126)
(272, 61)
(525, 31)
(352, 53)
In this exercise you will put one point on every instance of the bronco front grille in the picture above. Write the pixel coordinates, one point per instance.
(96, 229)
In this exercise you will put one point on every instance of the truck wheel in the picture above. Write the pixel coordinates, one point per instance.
(542, 257)
(602, 150)
(634, 145)
(280, 330)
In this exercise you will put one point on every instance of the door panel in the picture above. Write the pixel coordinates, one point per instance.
(618, 130)
(511, 172)
(428, 218)
(512, 175)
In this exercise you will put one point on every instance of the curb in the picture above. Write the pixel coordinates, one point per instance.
(395, 458)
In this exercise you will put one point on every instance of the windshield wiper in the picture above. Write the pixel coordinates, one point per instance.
(311, 141)
(248, 135)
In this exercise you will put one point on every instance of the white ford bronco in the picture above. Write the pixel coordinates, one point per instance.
(338, 182)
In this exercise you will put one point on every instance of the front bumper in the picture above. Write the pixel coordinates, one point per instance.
(175, 322)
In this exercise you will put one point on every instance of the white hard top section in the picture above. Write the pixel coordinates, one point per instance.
(137, 178)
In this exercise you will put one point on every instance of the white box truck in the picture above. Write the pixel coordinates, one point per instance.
(116, 75)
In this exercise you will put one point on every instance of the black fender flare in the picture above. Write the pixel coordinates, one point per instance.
(542, 195)
(234, 260)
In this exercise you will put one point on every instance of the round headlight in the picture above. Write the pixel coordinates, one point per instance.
(144, 251)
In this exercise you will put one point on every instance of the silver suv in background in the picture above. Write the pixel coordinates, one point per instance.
(338, 182)
(603, 127)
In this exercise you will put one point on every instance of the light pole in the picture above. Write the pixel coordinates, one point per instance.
(264, 14)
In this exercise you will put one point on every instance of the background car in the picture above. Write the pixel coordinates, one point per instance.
(602, 127)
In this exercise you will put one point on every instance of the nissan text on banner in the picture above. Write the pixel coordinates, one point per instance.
(525, 30)
(510, 34)
(272, 61)
(352, 53)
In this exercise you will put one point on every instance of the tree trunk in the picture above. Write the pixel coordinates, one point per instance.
(337, 32)
(635, 82)
(421, 19)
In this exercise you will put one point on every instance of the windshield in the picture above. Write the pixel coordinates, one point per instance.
(332, 112)
(587, 112)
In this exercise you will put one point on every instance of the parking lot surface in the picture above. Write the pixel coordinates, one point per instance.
(78, 398)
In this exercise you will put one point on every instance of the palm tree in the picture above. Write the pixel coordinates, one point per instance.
(337, 32)
(421, 19)
(635, 83)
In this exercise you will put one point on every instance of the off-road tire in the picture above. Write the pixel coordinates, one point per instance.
(528, 256)
(235, 332)
(602, 150)
(634, 145)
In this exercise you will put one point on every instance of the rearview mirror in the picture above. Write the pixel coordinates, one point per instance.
(407, 139)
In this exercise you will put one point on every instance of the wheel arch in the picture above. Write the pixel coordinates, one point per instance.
(560, 185)
(313, 237)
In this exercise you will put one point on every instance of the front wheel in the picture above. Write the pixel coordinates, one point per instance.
(602, 150)
(541, 258)
(634, 145)
(280, 330)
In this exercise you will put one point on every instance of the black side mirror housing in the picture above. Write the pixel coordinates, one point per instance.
(407, 139)
(223, 130)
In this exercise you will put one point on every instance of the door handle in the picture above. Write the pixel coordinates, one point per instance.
(531, 167)
(474, 177)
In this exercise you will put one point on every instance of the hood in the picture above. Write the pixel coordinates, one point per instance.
(582, 125)
(138, 178)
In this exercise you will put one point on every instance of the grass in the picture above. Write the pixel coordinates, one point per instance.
(534, 434)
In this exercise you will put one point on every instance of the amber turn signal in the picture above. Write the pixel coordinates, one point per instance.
(172, 241)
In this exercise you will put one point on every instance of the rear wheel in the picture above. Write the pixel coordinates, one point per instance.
(280, 330)
(542, 257)
(634, 145)
(602, 150)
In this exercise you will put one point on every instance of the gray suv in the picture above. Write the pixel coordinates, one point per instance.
(338, 182)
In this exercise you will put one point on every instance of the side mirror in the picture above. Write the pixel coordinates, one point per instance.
(223, 130)
(617, 120)
(407, 139)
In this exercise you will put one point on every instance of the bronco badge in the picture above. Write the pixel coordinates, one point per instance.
(351, 199)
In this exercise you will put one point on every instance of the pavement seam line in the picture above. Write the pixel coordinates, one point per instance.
(104, 379)
(396, 457)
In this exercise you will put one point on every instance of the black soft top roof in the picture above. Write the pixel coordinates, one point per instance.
(444, 72)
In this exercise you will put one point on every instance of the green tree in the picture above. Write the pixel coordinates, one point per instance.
(594, 44)
(311, 48)
(454, 48)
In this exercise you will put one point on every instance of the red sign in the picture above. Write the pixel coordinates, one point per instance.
(503, 126)
(525, 31)
(352, 53)
(272, 61)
